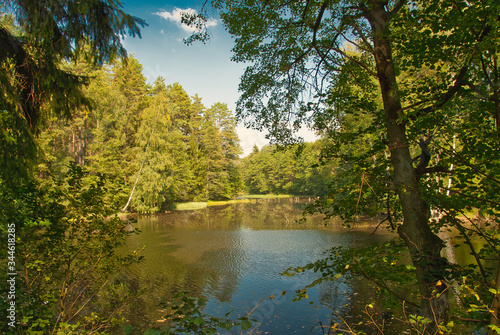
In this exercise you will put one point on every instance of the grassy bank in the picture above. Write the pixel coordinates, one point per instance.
(184, 206)
(227, 202)
(266, 196)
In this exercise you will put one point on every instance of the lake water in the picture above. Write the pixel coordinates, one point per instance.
(234, 255)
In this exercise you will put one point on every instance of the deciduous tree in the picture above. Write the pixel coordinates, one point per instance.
(297, 49)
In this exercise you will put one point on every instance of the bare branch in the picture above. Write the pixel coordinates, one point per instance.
(363, 65)
(305, 11)
(359, 30)
(397, 7)
(370, 49)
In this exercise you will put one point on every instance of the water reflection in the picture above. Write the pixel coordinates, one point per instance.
(233, 255)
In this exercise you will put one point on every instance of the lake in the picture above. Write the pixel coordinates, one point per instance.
(234, 255)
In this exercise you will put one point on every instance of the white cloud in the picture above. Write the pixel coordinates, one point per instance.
(175, 16)
(249, 138)
(307, 134)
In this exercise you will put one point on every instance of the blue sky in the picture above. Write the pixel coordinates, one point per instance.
(203, 69)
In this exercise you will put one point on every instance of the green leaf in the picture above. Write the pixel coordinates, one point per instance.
(246, 324)
(198, 321)
(495, 328)
(128, 329)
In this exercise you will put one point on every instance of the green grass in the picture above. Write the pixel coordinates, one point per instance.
(266, 196)
(186, 206)
(227, 202)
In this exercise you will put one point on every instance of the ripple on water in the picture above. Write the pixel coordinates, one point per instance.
(227, 256)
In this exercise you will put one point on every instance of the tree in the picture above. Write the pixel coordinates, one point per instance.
(188, 182)
(157, 141)
(122, 122)
(104, 136)
(37, 37)
(65, 257)
(220, 145)
(297, 49)
(254, 172)
(66, 248)
(312, 176)
(294, 170)
(108, 152)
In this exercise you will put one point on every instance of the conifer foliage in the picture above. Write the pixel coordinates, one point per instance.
(154, 143)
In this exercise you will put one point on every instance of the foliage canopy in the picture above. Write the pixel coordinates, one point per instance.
(405, 91)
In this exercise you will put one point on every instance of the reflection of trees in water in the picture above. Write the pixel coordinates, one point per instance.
(346, 298)
(257, 214)
(160, 276)
(277, 214)
(223, 272)
(202, 252)
(135, 309)
(336, 295)
(185, 251)
(152, 288)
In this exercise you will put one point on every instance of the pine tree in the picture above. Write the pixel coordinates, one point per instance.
(157, 142)
(221, 151)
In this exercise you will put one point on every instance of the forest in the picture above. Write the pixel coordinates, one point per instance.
(156, 145)
(84, 136)
(153, 144)
(296, 170)
(405, 96)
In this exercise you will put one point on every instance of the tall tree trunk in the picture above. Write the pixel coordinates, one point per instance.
(496, 88)
(84, 150)
(495, 305)
(207, 180)
(124, 209)
(451, 167)
(79, 152)
(423, 244)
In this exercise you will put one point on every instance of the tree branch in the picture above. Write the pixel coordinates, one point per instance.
(425, 157)
(397, 7)
(384, 286)
(437, 169)
(445, 97)
(362, 35)
(363, 65)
